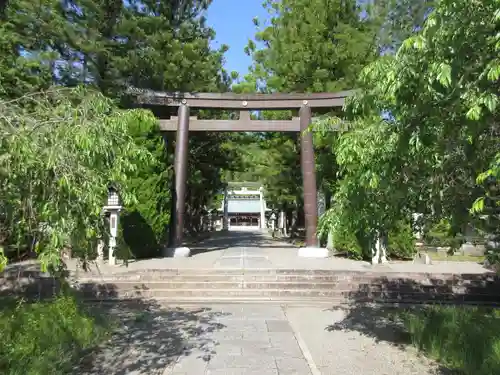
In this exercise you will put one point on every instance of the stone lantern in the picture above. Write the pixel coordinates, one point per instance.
(113, 207)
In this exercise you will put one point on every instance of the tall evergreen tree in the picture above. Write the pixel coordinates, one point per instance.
(110, 46)
(308, 46)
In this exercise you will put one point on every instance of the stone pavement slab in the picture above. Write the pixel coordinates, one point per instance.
(255, 339)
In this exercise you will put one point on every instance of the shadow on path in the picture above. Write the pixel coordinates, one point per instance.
(147, 336)
(382, 324)
(150, 337)
(234, 238)
(386, 323)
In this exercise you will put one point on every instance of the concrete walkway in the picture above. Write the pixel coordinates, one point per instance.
(257, 250)
(250, 339)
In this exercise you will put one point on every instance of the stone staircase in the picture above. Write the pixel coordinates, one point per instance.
(268, 285)
(293, 286)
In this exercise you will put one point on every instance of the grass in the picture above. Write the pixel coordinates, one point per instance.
(465, 339)
(455, 258)
(46, 337)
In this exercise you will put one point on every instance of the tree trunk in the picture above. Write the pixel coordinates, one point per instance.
(328, 199)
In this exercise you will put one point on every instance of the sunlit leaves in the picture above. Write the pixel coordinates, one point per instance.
(478, 206)
(494, 72)
(3, 259)
(444, 74)
(441, 97)
(496, 15)
(67, 147)
(474, 113)
(490, 101)
(312, 46)
(365, 201)
(418, 42)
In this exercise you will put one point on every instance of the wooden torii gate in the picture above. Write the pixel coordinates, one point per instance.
(244, 103)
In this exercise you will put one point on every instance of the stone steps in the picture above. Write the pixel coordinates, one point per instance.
(332, 295)
(221, 285)
(322, 286)
(213, 278)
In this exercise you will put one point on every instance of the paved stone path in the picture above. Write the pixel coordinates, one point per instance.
(250, 250)
(254, 340)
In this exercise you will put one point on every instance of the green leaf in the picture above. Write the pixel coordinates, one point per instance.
(494, 72)
(3, 259)
(474, 113)
(491, 102)
(419, 42)
(444, 74)
(478, 206)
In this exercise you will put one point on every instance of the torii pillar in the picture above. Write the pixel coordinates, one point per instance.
(180, 169)
(311, 250)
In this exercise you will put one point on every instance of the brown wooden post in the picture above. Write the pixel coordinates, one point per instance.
(308, 176)
(180, 167)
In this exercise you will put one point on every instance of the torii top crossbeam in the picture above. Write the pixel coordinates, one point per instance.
(242, 102)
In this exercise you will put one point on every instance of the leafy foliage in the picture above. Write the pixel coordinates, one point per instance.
(307, 46)
(424, 124)
(365, 203)
(60, 150)
(110, 47)
(402, 241)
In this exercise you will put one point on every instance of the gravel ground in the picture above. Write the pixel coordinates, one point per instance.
(357, 341)
(245, 339)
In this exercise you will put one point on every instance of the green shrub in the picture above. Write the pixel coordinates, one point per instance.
(45, 337)
(440, 235)
(346, 242)
(401, 241)
(463, 338)
(357, 246)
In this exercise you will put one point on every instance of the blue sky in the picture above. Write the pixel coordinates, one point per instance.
(232, 21)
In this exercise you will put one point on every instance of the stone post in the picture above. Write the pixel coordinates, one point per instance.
(379, 254)
(225, 217)
(329, 242)
(262, 209)
(100, 250)
(113, 233)
(282, 222)
(321, 205)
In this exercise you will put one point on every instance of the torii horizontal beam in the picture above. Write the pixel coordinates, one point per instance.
(241, 125)
(240, 101)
